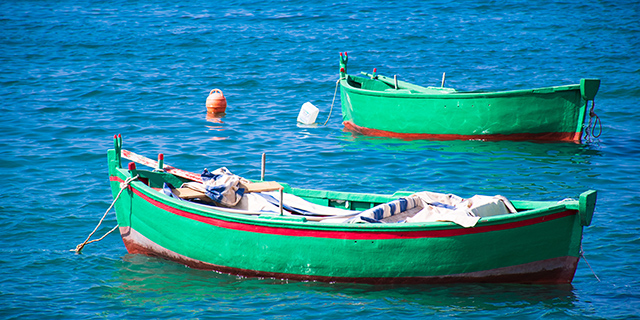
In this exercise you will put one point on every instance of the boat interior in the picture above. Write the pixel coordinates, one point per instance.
(270, 198)
(392, 85)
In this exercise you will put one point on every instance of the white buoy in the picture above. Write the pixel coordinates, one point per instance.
(308, 113)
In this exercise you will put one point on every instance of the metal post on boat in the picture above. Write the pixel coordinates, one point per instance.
(442, 84)
(262, 170)
(281, 201)
(395, 80)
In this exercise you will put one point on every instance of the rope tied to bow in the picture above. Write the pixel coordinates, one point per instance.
(585, 260)
(123, 186)
(334, 100)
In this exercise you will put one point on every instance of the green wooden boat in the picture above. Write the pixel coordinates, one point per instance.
(537, 243)
(382, 106)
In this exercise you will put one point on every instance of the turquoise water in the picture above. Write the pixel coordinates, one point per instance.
(74, 74)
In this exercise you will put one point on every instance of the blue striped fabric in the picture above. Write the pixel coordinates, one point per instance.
(385, 210)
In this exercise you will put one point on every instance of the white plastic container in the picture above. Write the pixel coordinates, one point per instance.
(308, 113)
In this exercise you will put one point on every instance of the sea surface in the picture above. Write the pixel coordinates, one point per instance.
(74, 73)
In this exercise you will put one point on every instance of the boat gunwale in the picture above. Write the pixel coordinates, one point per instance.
(296, 222)
(458, 94)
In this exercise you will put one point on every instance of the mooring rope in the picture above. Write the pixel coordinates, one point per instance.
(123, 186)
(585, 260)
(591, 131)
(334, 100)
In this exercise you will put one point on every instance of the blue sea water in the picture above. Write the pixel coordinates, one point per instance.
(73, 74)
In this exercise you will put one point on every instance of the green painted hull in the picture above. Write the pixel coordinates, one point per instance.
(539, 244)
(372, 105)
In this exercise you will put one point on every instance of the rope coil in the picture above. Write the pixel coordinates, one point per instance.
(589, 130)
(123, 186)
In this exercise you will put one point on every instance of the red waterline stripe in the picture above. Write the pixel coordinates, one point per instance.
(547, 136)
(352, 235)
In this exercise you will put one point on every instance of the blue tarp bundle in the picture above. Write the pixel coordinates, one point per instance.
(222, 186)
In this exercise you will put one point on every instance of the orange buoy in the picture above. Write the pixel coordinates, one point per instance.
(216, 102)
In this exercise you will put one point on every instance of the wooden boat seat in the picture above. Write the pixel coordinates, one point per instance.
(261, 186)
(190, 194)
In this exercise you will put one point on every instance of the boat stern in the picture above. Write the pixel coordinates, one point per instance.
(586, 207)
(589, 88)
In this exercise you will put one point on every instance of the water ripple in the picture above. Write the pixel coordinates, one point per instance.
(73, 75)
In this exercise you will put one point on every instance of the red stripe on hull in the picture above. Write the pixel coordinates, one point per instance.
(550, 271)
(546, 136)
(352, 235)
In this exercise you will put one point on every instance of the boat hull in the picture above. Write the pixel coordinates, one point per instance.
(538, 247)
(549, 271)
(545, 114)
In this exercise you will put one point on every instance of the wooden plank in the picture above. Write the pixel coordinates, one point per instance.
(187, 193)
(261, 186)
(154, 164)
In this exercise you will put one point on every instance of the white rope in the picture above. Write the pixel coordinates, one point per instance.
(123, 186)
(334, 100)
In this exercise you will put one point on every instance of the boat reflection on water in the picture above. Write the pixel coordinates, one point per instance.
(509, 168)
(143, 280)
(492, 150)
